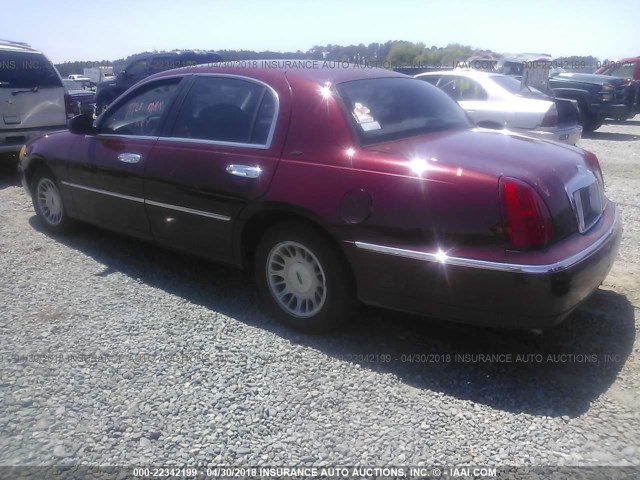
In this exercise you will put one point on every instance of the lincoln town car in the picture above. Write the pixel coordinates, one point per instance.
(338, 185)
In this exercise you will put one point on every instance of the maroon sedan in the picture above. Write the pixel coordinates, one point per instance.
(337, 183)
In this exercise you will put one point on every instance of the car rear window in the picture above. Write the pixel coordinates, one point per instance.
(385, 109)
(513, 85)
(27, 70)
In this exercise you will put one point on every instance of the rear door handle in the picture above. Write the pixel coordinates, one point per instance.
(129, 157)
(246, 171)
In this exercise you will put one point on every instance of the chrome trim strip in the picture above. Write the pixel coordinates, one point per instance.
(444, 259)
(126, 137)
(202, 213)
(178, 208)
(104, 192)
(257, 146)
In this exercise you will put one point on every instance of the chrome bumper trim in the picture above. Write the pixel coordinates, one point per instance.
(444, 259)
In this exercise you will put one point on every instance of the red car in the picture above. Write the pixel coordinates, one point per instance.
(629, 69)
(337, 183)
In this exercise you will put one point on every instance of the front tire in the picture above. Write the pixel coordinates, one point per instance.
(47, 202)
(303, 279)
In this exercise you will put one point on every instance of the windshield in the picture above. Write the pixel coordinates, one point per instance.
(27, 70)
(72, 84)
(512, 85)
(385, 109)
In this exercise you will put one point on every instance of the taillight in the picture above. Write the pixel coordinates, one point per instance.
(527, 218)
(594, 165)
(69, 107)
(551, 117)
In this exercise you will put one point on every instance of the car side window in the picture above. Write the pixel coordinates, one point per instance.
(432, 79)
(141, 113)
(227, 110)
(623, 71)
(139, 68)
(462, 89)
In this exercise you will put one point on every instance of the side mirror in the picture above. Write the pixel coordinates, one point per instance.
(82, 124)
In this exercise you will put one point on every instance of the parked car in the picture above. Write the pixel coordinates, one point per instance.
(337, 183)
(82, 100)
(598, 96)
(79, 78)
(497, 101)
(629, 70)
(32, 98)
(142, 67)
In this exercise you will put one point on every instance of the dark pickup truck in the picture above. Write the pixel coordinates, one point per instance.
(598, 96)
(629, 70)
(147, 65)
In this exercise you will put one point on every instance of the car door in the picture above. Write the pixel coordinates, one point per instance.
(219, 153)
(106, 169)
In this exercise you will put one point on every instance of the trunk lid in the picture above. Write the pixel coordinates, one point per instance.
(551, 168)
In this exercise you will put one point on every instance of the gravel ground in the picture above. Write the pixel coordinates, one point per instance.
(113, 352)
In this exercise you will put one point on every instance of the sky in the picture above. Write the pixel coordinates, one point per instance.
(107, 30)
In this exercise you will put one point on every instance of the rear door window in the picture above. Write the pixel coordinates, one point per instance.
(27, 70)
(227, 110)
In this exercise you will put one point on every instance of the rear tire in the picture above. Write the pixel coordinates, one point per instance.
(47, 202)
(303, 279)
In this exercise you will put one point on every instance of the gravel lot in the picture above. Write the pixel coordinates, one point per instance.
(113, 352)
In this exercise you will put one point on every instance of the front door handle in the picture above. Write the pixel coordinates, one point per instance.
(129, 157)
(246, 171)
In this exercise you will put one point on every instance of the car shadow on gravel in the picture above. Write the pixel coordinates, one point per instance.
(618, 137)
(556, 373)
(8, 172)
(628, 123)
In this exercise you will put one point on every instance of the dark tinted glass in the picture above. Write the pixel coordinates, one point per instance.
(27, 70)
(226, 110)
(385, 109)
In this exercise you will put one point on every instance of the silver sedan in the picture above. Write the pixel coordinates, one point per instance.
(498, 101)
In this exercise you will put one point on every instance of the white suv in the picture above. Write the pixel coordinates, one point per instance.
(32, 97)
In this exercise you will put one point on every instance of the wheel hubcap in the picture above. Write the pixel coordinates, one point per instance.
(296, 279)
(49, 201)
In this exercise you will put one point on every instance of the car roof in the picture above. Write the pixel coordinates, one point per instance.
(319, 71)
(461, 72)
(176, 53)
(17, 47)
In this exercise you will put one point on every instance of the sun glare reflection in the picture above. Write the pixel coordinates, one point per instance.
(418, 166)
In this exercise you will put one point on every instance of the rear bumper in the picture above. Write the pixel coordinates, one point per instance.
(569, 135)
(535, 290)
(11, 141)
